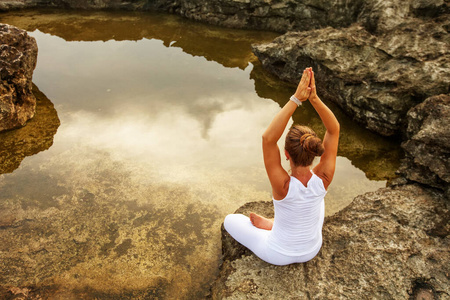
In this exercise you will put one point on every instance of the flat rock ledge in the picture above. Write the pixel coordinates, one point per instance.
(18, 57)
(388, 244)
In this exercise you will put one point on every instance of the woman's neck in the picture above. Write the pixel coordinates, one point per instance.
(301, 173)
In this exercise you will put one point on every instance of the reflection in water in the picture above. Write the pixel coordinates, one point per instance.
(159, 140)
(33, 138)
(229, 48)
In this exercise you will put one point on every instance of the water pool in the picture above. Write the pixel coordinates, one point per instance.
(147, 133)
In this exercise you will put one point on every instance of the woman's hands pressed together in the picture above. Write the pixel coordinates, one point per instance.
(304, 88)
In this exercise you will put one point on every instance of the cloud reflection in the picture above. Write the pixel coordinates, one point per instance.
(175, 137)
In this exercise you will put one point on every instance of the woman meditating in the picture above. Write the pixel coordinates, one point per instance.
(295, 234)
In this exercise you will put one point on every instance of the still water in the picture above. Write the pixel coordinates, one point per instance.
(147, 133)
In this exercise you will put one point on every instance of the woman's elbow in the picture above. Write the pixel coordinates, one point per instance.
(336, 128)
(267, 139)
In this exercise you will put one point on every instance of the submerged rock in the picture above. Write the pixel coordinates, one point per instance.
(389, 244)
(18, 56)
(376, 79)
(427, 146)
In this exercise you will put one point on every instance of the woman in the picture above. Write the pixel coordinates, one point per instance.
(295, 234)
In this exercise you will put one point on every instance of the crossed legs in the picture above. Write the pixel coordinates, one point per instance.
(253, 233)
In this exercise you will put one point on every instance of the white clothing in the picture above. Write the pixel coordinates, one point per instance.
(296, 235)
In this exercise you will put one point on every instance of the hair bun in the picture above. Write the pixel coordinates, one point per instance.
(312, 144)
(303, 145)
(304, 137)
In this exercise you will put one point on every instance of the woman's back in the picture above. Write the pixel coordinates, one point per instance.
(297, 227)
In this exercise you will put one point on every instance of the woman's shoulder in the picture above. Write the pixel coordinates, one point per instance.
(317, 183)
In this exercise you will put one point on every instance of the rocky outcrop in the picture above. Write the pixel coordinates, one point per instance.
(18, 56)
(389, 244)
(258, 14)
(288, 15)
(280, 16)
(376, 79)
(427, 147)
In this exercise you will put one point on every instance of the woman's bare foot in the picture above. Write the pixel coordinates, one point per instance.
(261, 222)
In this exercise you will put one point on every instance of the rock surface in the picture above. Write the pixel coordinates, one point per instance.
(271, 15)
(18, 56)
(427, 146)
(390, 244)
(376, 79)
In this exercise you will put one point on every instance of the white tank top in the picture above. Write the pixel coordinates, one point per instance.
(297, 227)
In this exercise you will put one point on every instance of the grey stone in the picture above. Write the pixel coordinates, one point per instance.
(427, 147)
(18, 56)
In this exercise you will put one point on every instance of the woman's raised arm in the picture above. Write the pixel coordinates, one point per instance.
(327, 165)
(278, 177)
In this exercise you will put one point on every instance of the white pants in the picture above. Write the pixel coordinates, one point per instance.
(242, 230)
